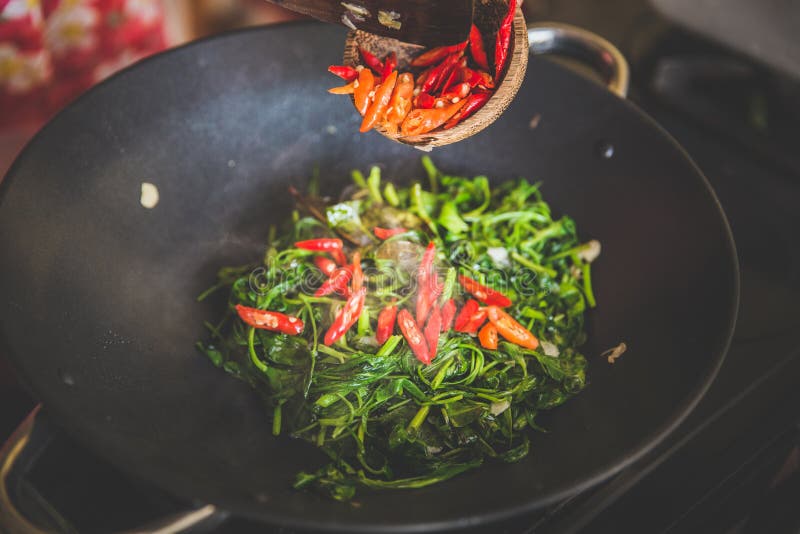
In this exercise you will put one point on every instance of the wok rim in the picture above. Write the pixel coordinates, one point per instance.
(647, 444)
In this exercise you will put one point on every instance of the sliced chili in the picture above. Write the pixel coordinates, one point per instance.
(422, 121)
(337, 283)
(377, 110)
(475, 102)
(363, 87)
(510, 329)
(475, 322)
(386, 233)
(411, 331)
(448, 314)
(326, 265)
(326, 244)
(270, 320)
(386, 320)
(358, 274)
(433, 330)
(463, 317)
(346, 317)
(484, 294)
(488, 336)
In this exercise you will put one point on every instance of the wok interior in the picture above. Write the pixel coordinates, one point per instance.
(103, 290)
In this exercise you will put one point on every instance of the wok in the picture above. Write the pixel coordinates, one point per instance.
(98, 308)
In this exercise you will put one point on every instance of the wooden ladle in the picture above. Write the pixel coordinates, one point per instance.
(487, 15)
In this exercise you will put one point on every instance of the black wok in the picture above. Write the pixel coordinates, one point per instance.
(98, 307)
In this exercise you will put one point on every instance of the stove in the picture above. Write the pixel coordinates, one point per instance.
(734, 465)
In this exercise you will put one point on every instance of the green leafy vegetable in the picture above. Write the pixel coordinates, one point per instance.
(384, 419)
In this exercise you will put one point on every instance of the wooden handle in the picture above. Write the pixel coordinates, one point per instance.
(413, 21)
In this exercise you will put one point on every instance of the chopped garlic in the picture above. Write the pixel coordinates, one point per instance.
(499, 407)
(550, 349)
(590, 251)
(149, 197)
(616, 352)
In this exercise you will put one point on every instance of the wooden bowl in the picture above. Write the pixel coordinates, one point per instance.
(488, 15)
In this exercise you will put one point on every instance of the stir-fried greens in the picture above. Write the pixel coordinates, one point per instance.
(346, 329)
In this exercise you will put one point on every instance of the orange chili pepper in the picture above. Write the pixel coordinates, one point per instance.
(510, 329)
(363, 87)
(488, 336)
(400, 104)
(347, 89)
(421, 121)
(383, 94)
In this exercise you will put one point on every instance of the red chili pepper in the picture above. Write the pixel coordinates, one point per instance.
(510, 329)
(371, 61)
(435, 55)
(463, 317)
(440, 73)
(332, 245)
(477, 49)
(344, 72)
(427, 283)
(432, 331)
(422, 121)
(485, 294)
(448, 314)
(389, 64)
(475, 322)
(386, 233)
(337, 283)
(488, 337)
(325, 244)
(486, 81)
(424, 101)
(449, 72)
(362, 88)
(269, 320)
(327, 266)
(503, 40)
(474, 103)
(411, 331)
(459, 90)
(376, 111)
(386, 320)
(346, 317)
(358, 274)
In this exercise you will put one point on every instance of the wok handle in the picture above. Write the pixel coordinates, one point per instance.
(577, 43)
(19, 455)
